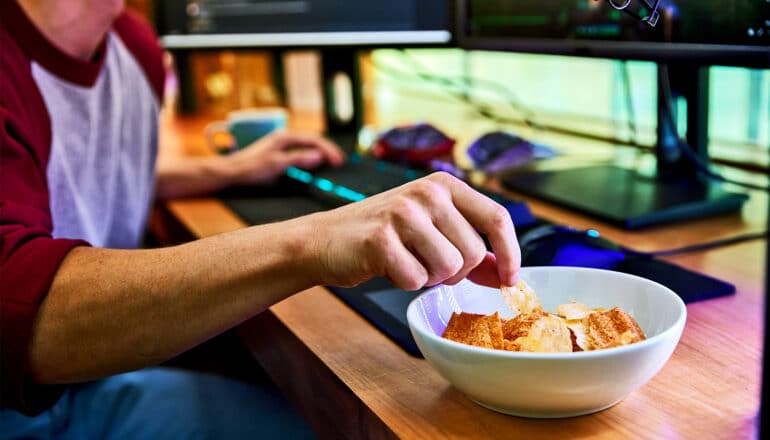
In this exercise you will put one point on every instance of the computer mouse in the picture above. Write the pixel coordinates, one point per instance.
(416, 144)
(553, 245)
(502, 150)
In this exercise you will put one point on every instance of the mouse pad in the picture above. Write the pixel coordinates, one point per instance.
(385, 307)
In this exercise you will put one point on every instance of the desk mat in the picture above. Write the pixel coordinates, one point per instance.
(385, 306)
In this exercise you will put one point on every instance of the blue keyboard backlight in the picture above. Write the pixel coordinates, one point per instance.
(324, 184)
(298, 174)
(348, 194)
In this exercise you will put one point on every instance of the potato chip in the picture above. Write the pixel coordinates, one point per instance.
(549, 334)
(612, 328)
(520, 298)
(573, 337)
(520, 325)
(478, 330)
(580, 341)
(573, 311)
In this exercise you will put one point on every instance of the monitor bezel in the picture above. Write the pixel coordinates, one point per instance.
(362, 40)
(702, 54)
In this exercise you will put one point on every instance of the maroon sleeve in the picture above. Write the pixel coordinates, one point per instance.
(142, 42)
(29, 256)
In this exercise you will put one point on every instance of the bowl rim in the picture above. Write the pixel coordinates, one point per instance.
(676, 327)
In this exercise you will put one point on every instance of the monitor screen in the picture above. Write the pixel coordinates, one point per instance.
(713, 31)
(254, 23)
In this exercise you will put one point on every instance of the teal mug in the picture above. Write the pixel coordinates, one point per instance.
(244, 127)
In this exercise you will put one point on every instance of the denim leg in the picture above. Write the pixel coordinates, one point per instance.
(44, 426)
(166, 403)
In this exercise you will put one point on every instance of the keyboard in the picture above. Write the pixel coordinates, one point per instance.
(363, 176)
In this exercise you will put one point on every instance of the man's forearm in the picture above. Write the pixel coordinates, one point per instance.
(193, 176)
(110, 311)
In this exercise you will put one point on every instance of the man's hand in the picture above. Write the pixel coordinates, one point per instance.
(420, 234)
(260, 163)
(266, 159)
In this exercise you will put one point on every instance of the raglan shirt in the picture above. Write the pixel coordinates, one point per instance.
(78, 142)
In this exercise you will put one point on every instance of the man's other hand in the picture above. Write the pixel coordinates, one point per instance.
(266, 160)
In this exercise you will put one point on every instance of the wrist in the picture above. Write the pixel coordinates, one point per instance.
(307, 248)
(229, 169)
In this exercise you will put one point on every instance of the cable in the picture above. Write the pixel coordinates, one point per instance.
(484, 111)
(450, 85)
(464, 80)
(702, 246)
(684, 147)
(401, 75)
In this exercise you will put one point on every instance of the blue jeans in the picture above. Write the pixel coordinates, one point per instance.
(162, 403)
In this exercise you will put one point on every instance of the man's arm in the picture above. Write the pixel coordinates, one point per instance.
(260, 163)
(110, 311)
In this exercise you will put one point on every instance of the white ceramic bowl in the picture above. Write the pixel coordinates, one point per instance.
(547, 385)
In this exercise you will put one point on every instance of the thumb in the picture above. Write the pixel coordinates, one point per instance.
(486, 272)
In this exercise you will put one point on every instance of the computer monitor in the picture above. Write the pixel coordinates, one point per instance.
(689, 36)
(302, 23)
(338, 28)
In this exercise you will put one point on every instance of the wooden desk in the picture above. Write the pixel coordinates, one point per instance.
(351, 381)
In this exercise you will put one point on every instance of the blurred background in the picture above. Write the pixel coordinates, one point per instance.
(609, 98)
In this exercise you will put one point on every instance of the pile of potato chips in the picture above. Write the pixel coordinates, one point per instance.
(574, 327)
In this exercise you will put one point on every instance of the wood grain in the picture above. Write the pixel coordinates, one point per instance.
(324, 356)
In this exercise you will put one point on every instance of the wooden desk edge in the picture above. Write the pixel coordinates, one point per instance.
(303, 377)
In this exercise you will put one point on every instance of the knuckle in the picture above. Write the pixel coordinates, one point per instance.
(403, 210)
(427, 190)
(413, 280)
(378, 239)
(416, 282)
(423, 187)
(475, 255)
(500, 218)
(443, 178)
(455, 265)
(449, 266)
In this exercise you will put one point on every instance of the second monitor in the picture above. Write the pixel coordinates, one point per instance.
(690, 36)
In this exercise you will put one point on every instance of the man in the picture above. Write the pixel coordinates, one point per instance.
(79, 91)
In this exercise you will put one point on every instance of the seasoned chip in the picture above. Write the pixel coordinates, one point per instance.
(573, 338)
(520, 325)
(547, 334)
(612, 328)
(573, 310)
(521, 298)
(580, 341)
(479, 330)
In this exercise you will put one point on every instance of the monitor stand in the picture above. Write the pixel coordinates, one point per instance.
(631, 200)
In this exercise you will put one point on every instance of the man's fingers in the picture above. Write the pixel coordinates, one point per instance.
(467, 241)
(402, 268)
(331, 152)
(491, 219)
(301, 158)
(486, 272)
(437, 253)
